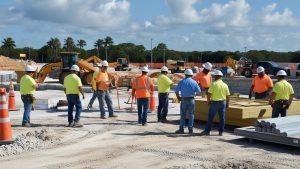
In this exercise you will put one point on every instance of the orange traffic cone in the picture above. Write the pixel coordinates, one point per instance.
(11, 98)
(5, 126)
(152, 102)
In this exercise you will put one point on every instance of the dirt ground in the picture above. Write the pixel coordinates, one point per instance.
(122, 143)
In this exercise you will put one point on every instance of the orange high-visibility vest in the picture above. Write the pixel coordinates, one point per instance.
(102, 78)
(143, 86)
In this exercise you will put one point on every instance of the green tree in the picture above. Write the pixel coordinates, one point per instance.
(8, 44)
(98, 45)
(69, 44)
(54, 45)
(81, 43)
(108, 41)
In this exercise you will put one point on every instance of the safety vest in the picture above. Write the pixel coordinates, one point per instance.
(142, 87)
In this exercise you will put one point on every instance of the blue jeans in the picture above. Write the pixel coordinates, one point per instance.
(93, 98)
(103, 95)
(27, 109)
(277, 111)
(187, 106)
(142, 105)
(214, 107)
(163, 103)
(74, 100)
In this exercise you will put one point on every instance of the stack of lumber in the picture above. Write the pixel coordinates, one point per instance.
(243, 111)
(284, 126)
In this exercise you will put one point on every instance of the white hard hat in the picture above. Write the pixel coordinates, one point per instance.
(188, 72)
(164, 69)
(281, 73)
(260, 69)
(29, 68)
(144, 69)
(218, 73)
(75, 68)
(207, 66)
(104, 63)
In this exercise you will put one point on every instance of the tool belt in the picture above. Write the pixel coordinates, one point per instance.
(281, 104)
(29, 97)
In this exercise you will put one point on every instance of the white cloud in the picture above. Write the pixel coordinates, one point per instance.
(185, 38)
(102, 14)
(148, 24)
(234, 13)
(270, 17)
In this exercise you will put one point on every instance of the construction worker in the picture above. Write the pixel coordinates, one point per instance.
(72, 88)
(186, 91)
(262, 84)
(164, 84)
(218, 101)
(282, 95)
(142, 87)
(203, 78)
(27, 89)
(102, 83)
(94, 88)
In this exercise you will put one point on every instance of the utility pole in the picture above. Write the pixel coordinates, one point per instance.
(106, 52)
(164, 56)
(151, 53)
(245, 51)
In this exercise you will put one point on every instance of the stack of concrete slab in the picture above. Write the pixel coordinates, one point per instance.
(7, 76)
(242, 111)
(284, 126)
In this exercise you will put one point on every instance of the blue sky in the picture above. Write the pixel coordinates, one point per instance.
(185, 25)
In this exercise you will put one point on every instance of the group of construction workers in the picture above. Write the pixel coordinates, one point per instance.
(206, 83)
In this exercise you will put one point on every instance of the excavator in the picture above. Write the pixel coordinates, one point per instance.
(67, 60)
(243, 67)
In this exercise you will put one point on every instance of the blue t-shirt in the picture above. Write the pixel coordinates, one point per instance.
(187, 87)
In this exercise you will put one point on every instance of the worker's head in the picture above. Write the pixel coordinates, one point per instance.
(281, 74)
(188, 73)
(29, 70)
(104, 67)
(207, 67)
(218, 74)
(75, 69)
(144, 70)
(164, 70)
(260, 71)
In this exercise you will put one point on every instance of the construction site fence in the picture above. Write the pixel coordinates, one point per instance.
(191, 64)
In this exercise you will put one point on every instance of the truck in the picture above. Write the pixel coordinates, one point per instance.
(176, 66)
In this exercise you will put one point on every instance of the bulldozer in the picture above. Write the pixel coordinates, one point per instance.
(63, 68)
(242, 67)
(176, 66)
(120, 65)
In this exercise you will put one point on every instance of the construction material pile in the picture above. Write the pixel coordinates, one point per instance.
(284, 126)
(11, 64)
(174, 77)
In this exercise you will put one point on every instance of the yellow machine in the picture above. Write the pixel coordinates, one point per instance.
(243, 67)
(176, 66)
(67, 60)
(120, 65)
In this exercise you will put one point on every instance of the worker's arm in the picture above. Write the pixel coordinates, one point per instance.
(65, 90)
(271, 101)
(227, 101)
(291, 99)
(178, 96)
(208, 97)
(81, 91)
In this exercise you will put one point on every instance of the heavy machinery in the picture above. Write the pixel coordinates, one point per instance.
(120, 65)
(176, 66)
(63, 68)
(243, 67)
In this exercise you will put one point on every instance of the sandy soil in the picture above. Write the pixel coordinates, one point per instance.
(122, 143)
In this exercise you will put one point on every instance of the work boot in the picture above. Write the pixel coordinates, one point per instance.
(89, 107)
(113, 115)
(77, 125)
(164, 121)
(190, 131)
(26, 125)
(220, 133)
(70, 124)
(158, 120)
(144, 124)
(204, 133)
(102, 117)
(180, 131)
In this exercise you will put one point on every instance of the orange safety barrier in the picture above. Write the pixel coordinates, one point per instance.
(11, 98)
(5, 126)
(187, 65)
(152, 102)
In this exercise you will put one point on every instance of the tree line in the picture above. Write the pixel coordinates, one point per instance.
(105, 48)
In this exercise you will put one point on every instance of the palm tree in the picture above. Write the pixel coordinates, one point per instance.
(108, 41)
(8, 44)
(54, 44)
(69, 44)
(98, 45)
(81, 43)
